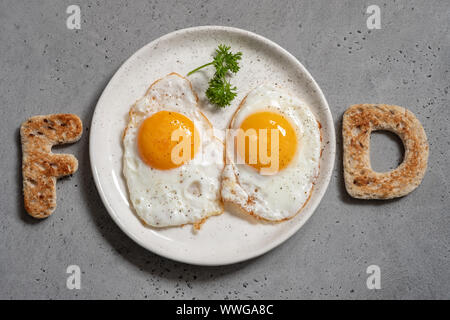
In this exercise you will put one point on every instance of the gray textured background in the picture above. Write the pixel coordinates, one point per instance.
(46, 68)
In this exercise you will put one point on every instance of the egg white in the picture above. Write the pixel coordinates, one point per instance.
(186, 194)
(280, 196)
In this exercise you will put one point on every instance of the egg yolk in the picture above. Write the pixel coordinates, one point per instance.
(167, 140)
(253, 132)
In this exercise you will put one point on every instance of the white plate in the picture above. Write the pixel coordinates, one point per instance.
(227, 238)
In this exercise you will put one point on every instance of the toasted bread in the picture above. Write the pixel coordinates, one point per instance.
(360, 180)
(41, 167)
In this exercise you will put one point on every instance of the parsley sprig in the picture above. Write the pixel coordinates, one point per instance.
(220, 90)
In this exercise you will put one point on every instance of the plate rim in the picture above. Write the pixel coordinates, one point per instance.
(264, 249)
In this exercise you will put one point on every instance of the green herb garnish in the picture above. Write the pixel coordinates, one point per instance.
(220, 91)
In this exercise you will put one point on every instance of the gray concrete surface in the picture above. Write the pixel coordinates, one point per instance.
(46, 68)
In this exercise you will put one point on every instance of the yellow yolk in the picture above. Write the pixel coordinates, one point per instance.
(287, 139)
(163, 131)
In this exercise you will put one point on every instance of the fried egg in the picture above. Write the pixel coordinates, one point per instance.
(172, 161)
(273, 150)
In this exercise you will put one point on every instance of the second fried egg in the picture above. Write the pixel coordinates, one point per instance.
(273, 152)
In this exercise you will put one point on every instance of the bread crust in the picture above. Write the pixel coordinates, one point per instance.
(41, 167)
(360, 180)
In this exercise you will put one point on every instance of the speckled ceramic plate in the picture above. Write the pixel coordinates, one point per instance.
(227, 238)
